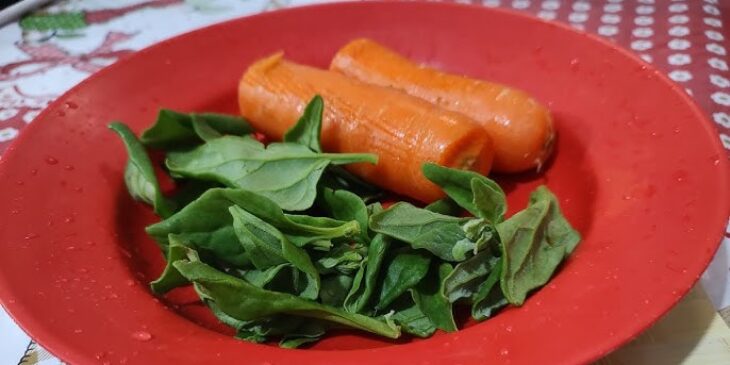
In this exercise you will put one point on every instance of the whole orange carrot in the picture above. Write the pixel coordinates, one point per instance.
(402, 130)
(520, 127)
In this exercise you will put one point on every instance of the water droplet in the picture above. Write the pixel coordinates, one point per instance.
(78, 330)
(11, 301)
(14, 211)
(71, 105)
(68, 219)
(504, 352)
(19, 183)
(508, 328)
(142, 336)
(51, 160)
(574, 64)
(627, 197)
(647, 301)
(83, 270)
(90, 243)
(71, 248)
(31, 236)
(61, 113)
(123, 360)
(107, 286)
(106, 362)
(34, 172)
(100, 355)
(68, 167)
(129, 282)
(676, 131)
(113, 296)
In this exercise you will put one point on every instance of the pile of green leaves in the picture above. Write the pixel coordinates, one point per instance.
(281, 242)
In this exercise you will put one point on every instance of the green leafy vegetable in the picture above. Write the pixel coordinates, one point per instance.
(534, 242)
(334, 289)
(343, 258)
(411, 319)
(449, 238)
(286, 173)
(476, 193)
(170, 277)
(343, 261)
(174, 130)
(428, 296)
(402, 272)
(266, 246)
(207, 223)
(307, 130)
(365, 279)
(246, 302)
(464, 281)
(346, 206)
(489, 298)
(139, 175)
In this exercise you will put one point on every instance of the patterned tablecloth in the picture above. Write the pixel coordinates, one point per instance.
(47, 52)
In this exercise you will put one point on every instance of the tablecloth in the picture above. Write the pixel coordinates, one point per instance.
(50, 50)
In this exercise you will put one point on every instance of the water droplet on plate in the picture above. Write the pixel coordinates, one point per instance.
(69, 167)
(504, 352)
(71, 105)
(31, 236)
(142, 336)
(78, 330)
(51, 160)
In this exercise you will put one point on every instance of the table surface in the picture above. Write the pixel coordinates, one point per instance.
(54, 48)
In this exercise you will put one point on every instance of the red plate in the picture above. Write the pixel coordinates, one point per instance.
(639, 171)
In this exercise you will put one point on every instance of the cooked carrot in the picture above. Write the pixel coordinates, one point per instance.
(402, 130)
(521, 128)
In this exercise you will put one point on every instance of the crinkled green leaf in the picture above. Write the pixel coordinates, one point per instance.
(245, 302)
(534, 242)
(286, 173)
(139, 174)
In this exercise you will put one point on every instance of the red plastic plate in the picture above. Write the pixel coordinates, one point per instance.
(639, 171)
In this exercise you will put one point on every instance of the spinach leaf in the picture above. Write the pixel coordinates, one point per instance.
(190, 190)
(334, 289)
(428, 296)
(449, 238)
(139, 175)
(207, 224)
(402, 272)
(243, 301)
(203, 129)
(445, 206)
(174, 130)
(534, 242)
(309, 126)
(489, 298)
(309, 331)
(260, 278)
(286, 173)
(266, 246)
(476, 193)
(343, 258)
(170, 277)
(365, 279)
(411, 319)
(346, 206)
(338, 178)
(464, 281)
